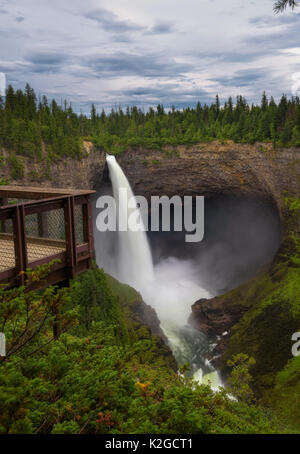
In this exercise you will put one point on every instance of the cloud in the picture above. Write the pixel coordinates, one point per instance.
(168, 94)
(273, 21)
(145, 65)
(161, 28)
(287, 36)
(243, 78)
(110, 21)
(20, 19)
(41, 62)
(44, 58)
(245, 54)
(13, 67)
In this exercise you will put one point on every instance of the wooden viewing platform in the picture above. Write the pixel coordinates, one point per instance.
(38, 225)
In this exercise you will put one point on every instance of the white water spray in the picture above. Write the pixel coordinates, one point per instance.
(171, 287)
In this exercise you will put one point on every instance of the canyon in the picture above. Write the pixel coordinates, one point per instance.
(255, 171)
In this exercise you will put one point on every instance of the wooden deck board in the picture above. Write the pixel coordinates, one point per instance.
(39, 192)
(35, 250)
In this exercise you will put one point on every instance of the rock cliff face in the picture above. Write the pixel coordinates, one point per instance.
(202, 169)
(207, 169)
(64, 173)
(209, 315)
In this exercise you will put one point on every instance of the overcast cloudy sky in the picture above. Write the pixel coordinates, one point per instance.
(113, 52)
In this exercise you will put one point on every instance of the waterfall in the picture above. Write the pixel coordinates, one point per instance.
(171, 287)
(135, 266)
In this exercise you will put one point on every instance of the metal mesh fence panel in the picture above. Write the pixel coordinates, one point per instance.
(6, 226)
(7, 252)
(7, 248)
(45, 234)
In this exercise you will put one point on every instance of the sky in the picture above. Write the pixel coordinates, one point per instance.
(145, 52)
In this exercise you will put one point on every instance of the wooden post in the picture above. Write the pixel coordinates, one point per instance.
(69, 237)
(72, 202)
(87, 219)
(43, 224)
(20, 243)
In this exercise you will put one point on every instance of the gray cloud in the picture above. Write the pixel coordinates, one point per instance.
(276, 40)
(147, 65)
(243, 55)
(44, 62)
(167, 94)
(273, 21)
(243, 78)
(161, 28)
(110, 22)
(44, 58)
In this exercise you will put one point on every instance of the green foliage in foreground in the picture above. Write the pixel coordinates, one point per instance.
(42, 130)
(239, 382)
(105, 373)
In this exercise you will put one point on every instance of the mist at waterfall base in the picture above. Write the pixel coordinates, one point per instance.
(241, 235)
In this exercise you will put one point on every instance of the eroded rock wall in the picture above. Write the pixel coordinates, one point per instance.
(202, 169)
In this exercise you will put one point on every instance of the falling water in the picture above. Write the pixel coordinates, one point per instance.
(171, 287)
(135, 265)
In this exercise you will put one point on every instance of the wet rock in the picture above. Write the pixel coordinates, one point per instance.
(210, 316)
(216, 317)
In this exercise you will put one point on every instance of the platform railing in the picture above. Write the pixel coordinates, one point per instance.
(36, 232)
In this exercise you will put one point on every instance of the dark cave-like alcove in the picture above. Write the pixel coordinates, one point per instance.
(241, 237)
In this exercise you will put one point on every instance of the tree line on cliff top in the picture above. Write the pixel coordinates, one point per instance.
(27, 123)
